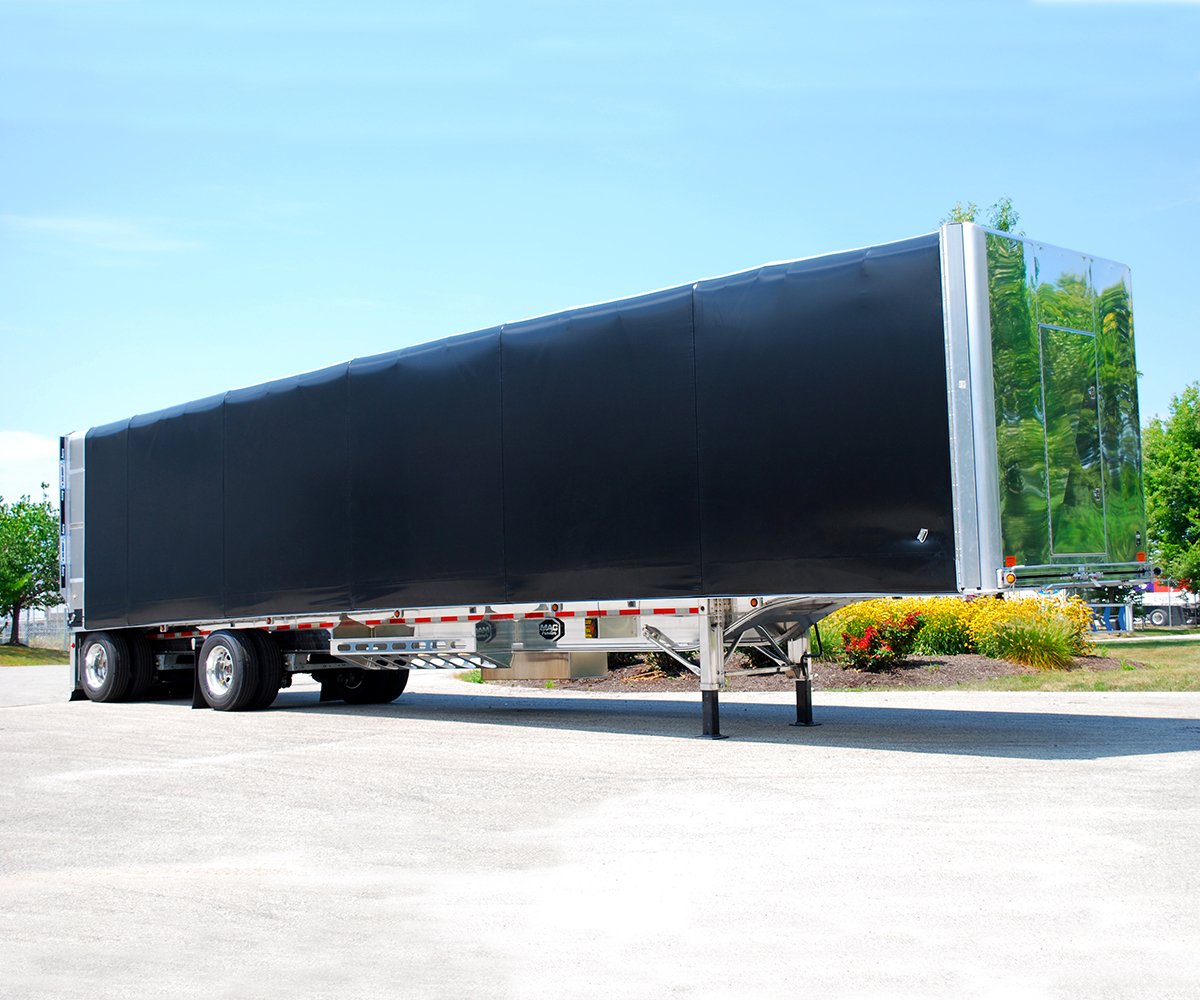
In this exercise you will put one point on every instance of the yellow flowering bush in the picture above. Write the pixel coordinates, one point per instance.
(990, 618)
(947, 626)
(1038, 631)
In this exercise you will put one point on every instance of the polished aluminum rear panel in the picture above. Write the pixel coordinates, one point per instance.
(1044, 421)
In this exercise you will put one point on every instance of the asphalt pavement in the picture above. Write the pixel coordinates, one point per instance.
(475, 842)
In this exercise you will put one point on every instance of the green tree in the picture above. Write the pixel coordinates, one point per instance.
(28, 558)
(1171, 463)
(1000, 215)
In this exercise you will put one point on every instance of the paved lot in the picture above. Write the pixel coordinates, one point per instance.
(470, 843)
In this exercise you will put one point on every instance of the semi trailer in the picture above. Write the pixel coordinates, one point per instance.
(712, 465)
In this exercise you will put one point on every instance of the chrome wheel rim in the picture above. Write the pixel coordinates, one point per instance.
(218, 670)
(95, 665)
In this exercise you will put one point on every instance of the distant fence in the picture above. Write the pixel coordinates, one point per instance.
(47, 629)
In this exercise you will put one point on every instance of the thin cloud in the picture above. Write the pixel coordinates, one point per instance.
(98, 233)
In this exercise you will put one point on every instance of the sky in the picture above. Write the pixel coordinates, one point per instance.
(201, 196)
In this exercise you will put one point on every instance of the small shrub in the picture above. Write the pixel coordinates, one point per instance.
(830, 646)
(945, 627)
(666, 664)
(1077, 611)
(742, 658)
(618, 660)
(990, 618)
(752, 658)
(881, 645)
(1042, 642)
(854, 620)
(471, 676)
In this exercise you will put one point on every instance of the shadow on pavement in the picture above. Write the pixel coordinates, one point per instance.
(1028, 735)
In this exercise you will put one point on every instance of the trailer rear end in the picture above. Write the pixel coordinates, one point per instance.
(1044, 415)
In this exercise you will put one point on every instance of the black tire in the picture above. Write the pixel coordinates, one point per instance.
(104, 667)
(1158, 617)
(229, 671)
(141, 666)
(270, 659)
(372, 687)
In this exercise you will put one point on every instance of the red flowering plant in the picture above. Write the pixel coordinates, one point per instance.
(882, 645)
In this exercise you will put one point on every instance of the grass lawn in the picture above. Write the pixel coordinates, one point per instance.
(19, 656)
(1168, 666)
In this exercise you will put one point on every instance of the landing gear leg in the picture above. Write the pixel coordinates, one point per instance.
(712, 668)
(799, 655)
(711, 709)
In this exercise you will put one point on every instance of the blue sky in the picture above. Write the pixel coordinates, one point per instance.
(198, 196)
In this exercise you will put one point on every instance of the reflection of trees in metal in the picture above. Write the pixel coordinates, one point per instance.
(1119, 423)
(1076, 481)
(1020, 437)
(1088, 432)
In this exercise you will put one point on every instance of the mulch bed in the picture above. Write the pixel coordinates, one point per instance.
(933, 672)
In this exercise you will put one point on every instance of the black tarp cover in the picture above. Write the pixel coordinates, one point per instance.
(782, 430)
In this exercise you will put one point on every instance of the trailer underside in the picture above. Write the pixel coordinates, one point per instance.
(365, 657)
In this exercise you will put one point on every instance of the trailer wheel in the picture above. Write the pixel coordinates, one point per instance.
(229, 671)
(104, 670)
(372, 687)
(141, 666)
(270, 659)
(1158, 617)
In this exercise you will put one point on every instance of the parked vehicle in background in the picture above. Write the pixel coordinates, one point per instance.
(1163, 604)
(578, 482)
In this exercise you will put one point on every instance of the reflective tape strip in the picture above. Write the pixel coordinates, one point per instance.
(446, 619)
